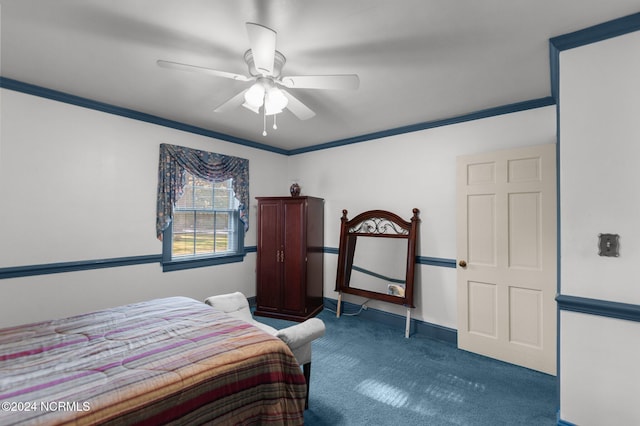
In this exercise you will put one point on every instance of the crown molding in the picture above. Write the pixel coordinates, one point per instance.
(31, 89)
(43, 92)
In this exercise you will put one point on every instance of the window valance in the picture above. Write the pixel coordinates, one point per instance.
(176, 160)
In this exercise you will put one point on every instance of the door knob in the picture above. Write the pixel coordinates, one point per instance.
(462, 264)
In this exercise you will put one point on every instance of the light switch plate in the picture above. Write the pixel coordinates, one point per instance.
(609, 245)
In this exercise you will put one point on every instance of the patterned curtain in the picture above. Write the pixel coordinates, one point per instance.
(176, 160)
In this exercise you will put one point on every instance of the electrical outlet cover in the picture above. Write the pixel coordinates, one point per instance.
(609, 245)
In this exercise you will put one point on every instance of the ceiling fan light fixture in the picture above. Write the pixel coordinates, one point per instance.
(250, 107)
(255, 95)
(271, 111)
(274, 101)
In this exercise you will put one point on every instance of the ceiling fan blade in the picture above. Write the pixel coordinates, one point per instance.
(298, 109)
(185, 67)
(338, 82)
(232, 103)
(263, 47)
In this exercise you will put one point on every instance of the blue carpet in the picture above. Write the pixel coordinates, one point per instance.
(367, 373)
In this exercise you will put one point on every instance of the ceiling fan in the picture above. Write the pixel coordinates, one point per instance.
(267, 93)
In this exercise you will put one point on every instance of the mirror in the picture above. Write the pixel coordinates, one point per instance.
(376, 257)
(379, 265)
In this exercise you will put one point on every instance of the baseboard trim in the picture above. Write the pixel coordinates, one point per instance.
(417, 327)
(421, 328)
(564, 423)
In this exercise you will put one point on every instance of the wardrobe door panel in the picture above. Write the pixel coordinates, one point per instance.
(269, 281)
(294, 256)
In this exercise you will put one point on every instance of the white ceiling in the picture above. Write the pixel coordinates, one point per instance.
(418, 60)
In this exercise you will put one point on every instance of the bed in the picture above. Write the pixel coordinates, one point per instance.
(165, 361)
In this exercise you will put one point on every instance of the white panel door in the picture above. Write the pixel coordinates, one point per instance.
(506, 247)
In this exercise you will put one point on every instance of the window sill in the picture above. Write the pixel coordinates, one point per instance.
(177, 265)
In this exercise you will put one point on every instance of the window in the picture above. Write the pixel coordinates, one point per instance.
(202, 206)
(205, 229)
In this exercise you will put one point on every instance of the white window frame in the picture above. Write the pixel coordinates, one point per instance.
(172, 262)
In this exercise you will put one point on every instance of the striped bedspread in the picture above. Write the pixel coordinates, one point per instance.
(165, 361)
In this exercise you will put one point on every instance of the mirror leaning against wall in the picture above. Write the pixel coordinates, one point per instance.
(376, 258)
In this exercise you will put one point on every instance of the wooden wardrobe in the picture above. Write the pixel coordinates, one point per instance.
(289, 266)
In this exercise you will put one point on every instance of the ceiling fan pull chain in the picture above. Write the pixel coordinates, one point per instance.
(264, 123)
(275, 126)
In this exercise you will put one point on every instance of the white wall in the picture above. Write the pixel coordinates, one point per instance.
(411, 170)
(599, 151)
(80, 185)
(599, 379)
(600, 148)
(56, 158)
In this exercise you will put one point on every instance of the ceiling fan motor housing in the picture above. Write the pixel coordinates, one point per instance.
(278, 62)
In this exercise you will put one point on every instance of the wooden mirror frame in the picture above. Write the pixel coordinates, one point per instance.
(377, 224)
